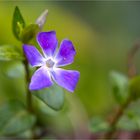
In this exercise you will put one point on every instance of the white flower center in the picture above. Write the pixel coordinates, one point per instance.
(50, 63)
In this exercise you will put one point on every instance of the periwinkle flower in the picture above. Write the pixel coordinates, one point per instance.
(50, 62)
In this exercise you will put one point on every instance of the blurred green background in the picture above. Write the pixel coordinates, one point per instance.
(102, 32)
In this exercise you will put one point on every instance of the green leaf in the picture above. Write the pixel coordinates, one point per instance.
(135, 118)
(133, 113)
(125, 123)
(24, 135)
(29, 33)
(135, 88)
(8, 52)
(18, 23)
(97, 124)
(44, 109)
(52, 96)
(41, 20)
(14, 70)
(14, 118)
(119, 84)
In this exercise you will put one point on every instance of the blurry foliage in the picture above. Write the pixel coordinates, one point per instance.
(102, 33)
(14, 118)
(130, 121)
(9, 52)
(98, 124)
(135, 87)
(120, 86)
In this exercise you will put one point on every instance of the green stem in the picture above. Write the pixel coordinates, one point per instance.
(27, 77)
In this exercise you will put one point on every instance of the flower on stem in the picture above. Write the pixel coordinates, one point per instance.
(50, 62)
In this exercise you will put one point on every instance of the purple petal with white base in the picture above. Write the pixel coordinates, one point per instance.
(33, 55)
(48, 42)
(40, 79)
(66, 53)
(66, 78)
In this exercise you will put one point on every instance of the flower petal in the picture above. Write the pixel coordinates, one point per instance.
(48, 42)
(33, 55)
(40, 79)
(66, 53)
(66, 78)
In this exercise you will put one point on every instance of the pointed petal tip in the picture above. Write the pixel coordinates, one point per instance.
(67, 79)
(46, 11)
(66, 53)
(48, 42)
(34, 57)
(42, 33)
(77, 76)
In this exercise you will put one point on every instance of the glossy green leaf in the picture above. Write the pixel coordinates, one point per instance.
(45, 109)
(41, 20)
(135, 87)
(8, 52)
(119, 84)
(29, 33)
(52, 96)
(98, 124)
(14, 118)
(18, 23)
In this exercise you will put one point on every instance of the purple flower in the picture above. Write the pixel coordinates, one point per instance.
(50, 62)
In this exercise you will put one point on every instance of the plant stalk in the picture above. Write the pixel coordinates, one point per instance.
(27, 77)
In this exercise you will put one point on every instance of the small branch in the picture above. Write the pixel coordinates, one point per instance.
(131, 73)
(131, 66)
(116, 118)
(27, 77)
